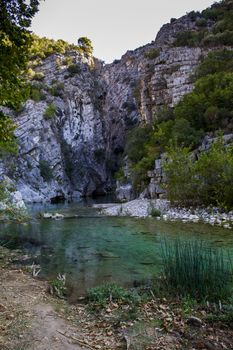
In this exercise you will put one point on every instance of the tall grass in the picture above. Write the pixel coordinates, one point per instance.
(195, 270)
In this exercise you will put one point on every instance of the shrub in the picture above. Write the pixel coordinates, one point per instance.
(206, 181)
(213, 90)
(215, 62)
(214, 171)
(36, 94)
(50, 111)
(120, 176)
(192, 269)
(181, 184)
(38, 76)
(152, 54)
(201, 22)
(57, 89)
(74, 69)
(155, 212)
(45, 170)
(85, 45)
(57, 286)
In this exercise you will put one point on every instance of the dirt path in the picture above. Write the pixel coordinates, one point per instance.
(27, 320)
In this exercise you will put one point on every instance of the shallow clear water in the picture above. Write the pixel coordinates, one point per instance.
(92, 250)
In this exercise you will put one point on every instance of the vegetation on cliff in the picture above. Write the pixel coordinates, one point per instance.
(214, 27)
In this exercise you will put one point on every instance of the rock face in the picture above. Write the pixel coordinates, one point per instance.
(76, 151)
(61, 155)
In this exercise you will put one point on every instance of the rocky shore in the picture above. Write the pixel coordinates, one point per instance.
(162, 210)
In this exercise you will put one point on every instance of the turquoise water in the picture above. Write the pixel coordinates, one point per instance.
(91, 250)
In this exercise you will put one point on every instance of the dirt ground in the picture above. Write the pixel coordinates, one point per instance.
(32, 319)
(27, 319)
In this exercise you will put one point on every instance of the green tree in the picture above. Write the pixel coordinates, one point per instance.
(208, 180)
(214, 171)
(15, 40)
(181, 184)
(212, 92)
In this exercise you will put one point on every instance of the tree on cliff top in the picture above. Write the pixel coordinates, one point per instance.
(15, 41)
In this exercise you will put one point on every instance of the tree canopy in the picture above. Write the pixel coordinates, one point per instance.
(15, 41)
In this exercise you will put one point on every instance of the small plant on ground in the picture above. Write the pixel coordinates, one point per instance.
(57, 287)
(57, 89)
(74, 69)
(37, 95)
(152, 54)
(50, 111)
(111, 292)
(155, 212)
(195, 270)
(38, 76)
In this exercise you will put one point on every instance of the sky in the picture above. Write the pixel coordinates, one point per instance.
(114, 26)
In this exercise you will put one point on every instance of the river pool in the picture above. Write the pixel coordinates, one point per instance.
(91, 249)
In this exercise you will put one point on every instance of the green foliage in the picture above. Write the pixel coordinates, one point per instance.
(155, 212)
(120, 176)
(197, 271)
(189, 38)
(181, 183)
(74, 69)
(57, 89)
(15, 41)
(36, 93)
(45, 170)
(39, 76)
(3, 194)
(221, 33)
(214, 171)
(85, 45)
(209, 106)
(50, 112)
(139, 153)
(7, 139)
(57, 286)
(179, 131)
(44, 47)
(206, 181)
(136, 142)
(112, 292)
(152, 53)
(215, 62)
(201, 22)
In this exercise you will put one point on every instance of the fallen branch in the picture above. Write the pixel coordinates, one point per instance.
(81, 342)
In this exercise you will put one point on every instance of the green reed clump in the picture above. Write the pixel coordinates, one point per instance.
(195, 270)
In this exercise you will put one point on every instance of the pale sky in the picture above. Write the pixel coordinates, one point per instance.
(114, 26)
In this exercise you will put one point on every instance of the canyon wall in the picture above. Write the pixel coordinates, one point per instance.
(76, 151)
